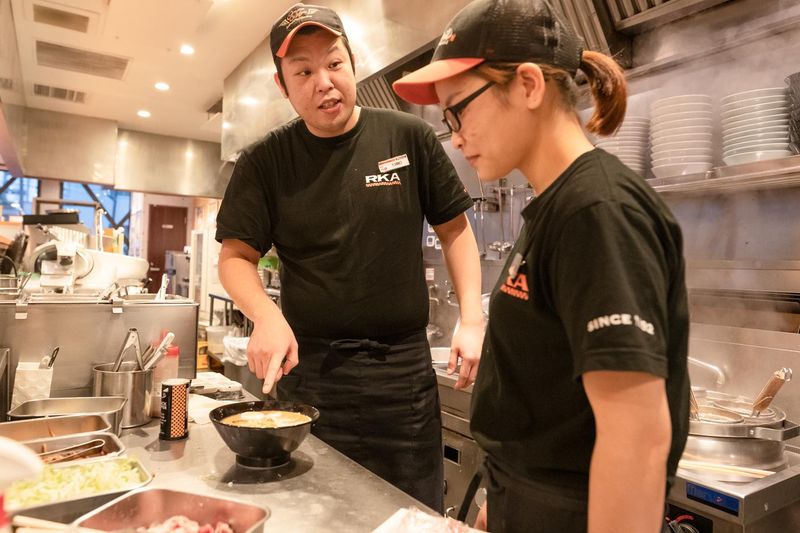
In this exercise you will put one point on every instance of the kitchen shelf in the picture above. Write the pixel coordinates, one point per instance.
(771, 174)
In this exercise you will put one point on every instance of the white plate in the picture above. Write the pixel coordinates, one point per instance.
(755, 147)
(680, 169)
(681, 99)
(673, 117)
(776, 126)
(682, 145)
(681, 159)
(687, 152)
(680, 108)
(683, 137)
(750, 157)
(759, 121)
(756, 134)
(686, 123)
(753, 93)
(733, 145)
(755, 111)
(754, 101)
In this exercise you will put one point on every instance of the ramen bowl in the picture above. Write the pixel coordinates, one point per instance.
(262, 447)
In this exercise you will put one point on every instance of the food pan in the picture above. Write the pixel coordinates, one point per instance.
(42, 428)
(108, 407)
(145, 507)
(111, 448)
(62, 489)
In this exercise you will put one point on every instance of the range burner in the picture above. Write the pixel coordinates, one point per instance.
(764, 505)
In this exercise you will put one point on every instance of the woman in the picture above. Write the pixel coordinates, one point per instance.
(581, 401)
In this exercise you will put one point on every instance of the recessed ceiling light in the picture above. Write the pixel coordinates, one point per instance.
(162, 86)
(187, 49)
(143, 113)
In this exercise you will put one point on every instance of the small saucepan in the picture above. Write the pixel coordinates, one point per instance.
(261, 447)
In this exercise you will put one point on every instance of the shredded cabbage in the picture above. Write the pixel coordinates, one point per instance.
(60, 483)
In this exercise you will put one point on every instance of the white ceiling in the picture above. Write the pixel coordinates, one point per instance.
(149, 33)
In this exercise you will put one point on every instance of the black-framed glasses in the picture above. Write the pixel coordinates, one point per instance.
(451, 114)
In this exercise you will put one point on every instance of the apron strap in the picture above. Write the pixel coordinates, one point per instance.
(360, 345)
(472, 488)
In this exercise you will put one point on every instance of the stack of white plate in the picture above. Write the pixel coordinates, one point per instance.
(755, 125)
(680, 135)
(629, 144)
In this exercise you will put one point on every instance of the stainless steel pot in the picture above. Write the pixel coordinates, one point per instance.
(726, 434)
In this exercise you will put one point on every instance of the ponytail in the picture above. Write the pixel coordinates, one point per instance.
(609, 92)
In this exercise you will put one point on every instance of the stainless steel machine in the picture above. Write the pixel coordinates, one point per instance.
(89, 331)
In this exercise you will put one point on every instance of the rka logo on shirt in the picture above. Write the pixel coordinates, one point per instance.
(380, 180)
(516, 287)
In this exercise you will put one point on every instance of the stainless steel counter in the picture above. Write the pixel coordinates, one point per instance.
(320, 490)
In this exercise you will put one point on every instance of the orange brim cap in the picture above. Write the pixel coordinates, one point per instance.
(281, 52)
(418, 87)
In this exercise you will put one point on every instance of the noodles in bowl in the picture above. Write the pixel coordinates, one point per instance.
(265, 433)
(266, 419)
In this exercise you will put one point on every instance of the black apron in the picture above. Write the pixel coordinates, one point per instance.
(521, 504)
(379, 405)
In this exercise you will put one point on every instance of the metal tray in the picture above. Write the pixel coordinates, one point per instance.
(108, 407)
(42, 428)
(112, 447)
(71, 508)
(145, 507)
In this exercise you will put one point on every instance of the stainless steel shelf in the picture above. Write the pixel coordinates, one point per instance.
(775, 173)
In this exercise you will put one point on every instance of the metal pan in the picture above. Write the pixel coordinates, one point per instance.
(77, 503)
(112, 446)
(145, 507)
(43, 428)
(108, 407)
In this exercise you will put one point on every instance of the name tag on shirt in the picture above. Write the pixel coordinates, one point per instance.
(398, 161)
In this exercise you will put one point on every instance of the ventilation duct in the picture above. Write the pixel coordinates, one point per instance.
(68, 95)
(60, 18)
(635, 16)
(83, 61)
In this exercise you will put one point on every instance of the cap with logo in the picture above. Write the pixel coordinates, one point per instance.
(509, 31)
(299, 16)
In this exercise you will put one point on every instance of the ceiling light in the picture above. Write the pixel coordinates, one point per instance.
(143, 113)
(187, 49)
(162, 86)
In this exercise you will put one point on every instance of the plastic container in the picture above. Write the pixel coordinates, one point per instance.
(215, 334)
(166, 369)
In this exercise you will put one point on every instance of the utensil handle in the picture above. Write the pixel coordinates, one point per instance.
(37, 524)
(769, 391)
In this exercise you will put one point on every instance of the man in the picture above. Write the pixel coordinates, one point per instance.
(342, 192)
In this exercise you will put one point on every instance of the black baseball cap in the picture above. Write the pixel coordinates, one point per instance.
(299, 16)
(509, 31)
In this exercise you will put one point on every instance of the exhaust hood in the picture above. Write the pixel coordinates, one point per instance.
(388, 38)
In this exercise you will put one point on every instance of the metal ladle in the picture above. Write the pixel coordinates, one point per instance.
(770, 390)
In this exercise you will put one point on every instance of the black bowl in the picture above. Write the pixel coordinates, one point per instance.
(263, 447)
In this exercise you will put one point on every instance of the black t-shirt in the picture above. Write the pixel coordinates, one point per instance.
(346, 216)
(601, 288)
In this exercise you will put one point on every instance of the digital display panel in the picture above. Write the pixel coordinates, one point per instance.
(712, 498)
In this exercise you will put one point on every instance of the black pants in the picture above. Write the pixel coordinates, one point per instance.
(379, 405)
(518, 504)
